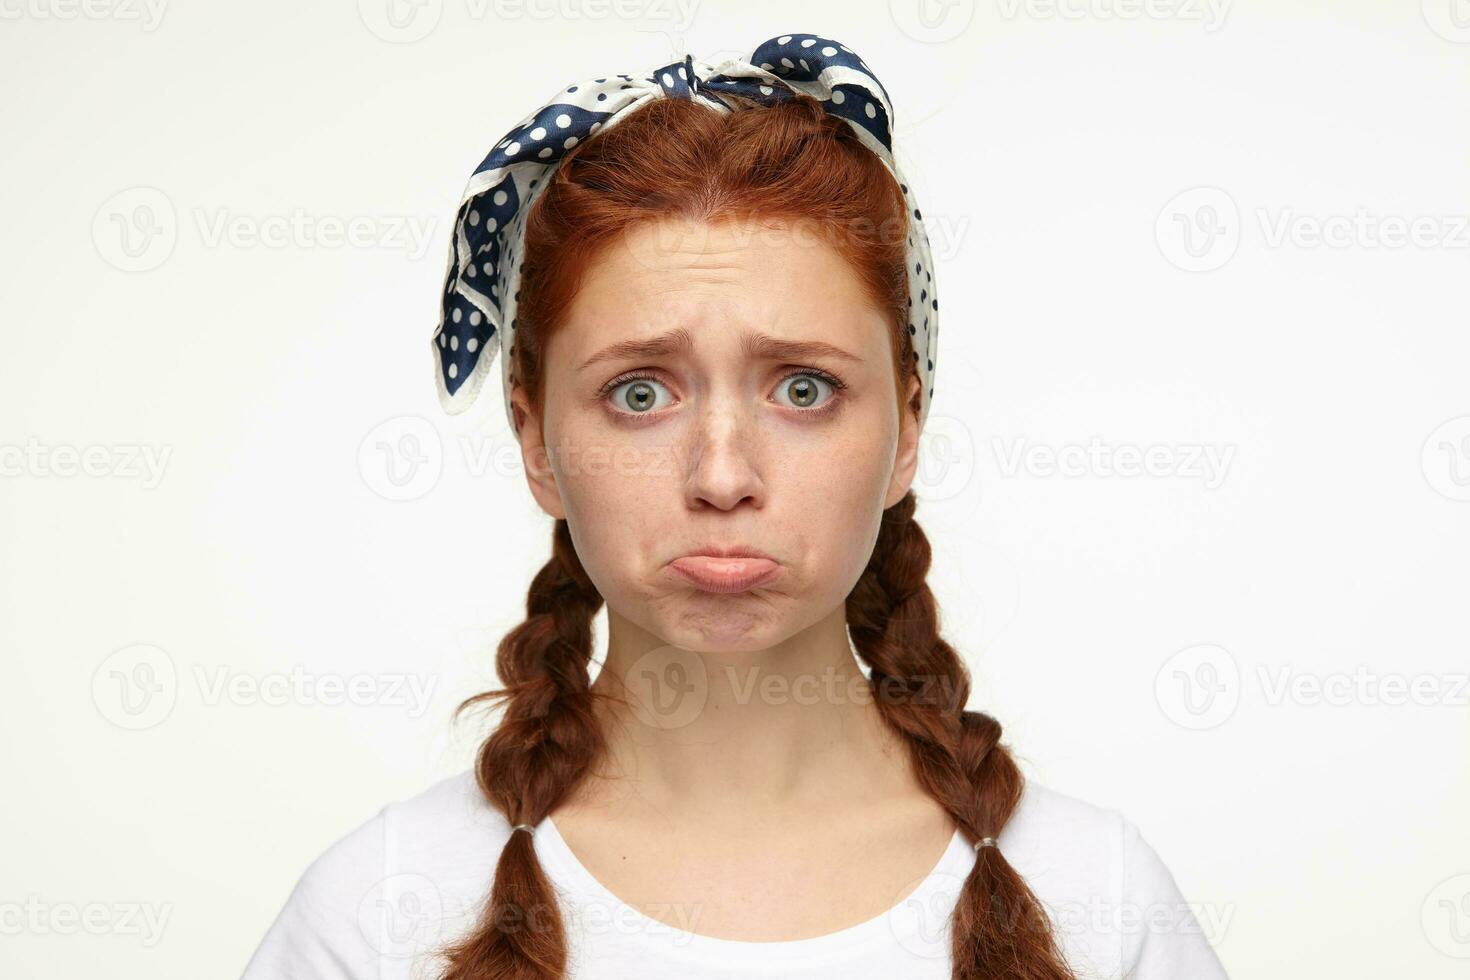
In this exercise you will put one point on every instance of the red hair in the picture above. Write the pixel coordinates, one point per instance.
(786, 160)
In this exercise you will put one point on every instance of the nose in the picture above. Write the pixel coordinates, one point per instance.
(723, 469)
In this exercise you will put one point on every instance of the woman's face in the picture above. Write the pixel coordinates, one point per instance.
(727, 385)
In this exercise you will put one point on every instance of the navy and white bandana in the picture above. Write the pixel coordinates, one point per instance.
(477, 316)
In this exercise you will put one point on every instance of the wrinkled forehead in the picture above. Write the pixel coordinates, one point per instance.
(721, 282)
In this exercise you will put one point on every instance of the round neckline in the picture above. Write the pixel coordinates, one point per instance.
(888, 925)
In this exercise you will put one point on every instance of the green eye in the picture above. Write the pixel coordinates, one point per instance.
(806, 390)
(638, 395)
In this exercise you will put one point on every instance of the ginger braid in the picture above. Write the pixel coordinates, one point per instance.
(921, 686)
(546, 742)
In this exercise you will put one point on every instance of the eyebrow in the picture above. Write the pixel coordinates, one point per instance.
(680, 340)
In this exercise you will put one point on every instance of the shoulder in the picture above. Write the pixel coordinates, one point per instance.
(1114, 902)
(388, 889)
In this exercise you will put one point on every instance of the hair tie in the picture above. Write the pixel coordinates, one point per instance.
(524, 826)
(477, 315)
(985, 842)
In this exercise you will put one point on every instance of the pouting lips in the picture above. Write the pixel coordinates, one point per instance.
(725, 575)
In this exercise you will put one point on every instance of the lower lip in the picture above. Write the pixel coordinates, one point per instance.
(725, 574)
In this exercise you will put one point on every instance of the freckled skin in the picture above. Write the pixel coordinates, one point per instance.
(732, 459)
(748, 796)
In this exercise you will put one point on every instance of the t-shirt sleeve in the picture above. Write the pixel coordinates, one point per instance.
(325, 931)
(1163, 936)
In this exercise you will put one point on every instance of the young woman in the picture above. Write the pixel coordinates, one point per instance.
(718, 324)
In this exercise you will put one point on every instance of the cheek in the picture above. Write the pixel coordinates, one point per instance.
(619, 495)
(826, 493)
(836, 504)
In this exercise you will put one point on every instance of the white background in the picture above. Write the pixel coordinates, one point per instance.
(1132, 632)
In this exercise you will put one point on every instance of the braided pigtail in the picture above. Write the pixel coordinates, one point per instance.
(921, 686)
(547, 739)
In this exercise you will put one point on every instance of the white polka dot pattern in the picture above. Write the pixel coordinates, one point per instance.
(482, 281)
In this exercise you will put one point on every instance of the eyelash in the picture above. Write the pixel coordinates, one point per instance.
(829, 405)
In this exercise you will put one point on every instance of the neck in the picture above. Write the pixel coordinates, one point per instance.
(787, 725)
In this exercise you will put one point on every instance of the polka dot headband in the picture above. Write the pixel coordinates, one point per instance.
(477, 315)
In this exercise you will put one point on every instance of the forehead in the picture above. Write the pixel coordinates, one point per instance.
(720, 279)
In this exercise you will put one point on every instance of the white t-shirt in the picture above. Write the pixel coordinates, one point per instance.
(379, 901)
